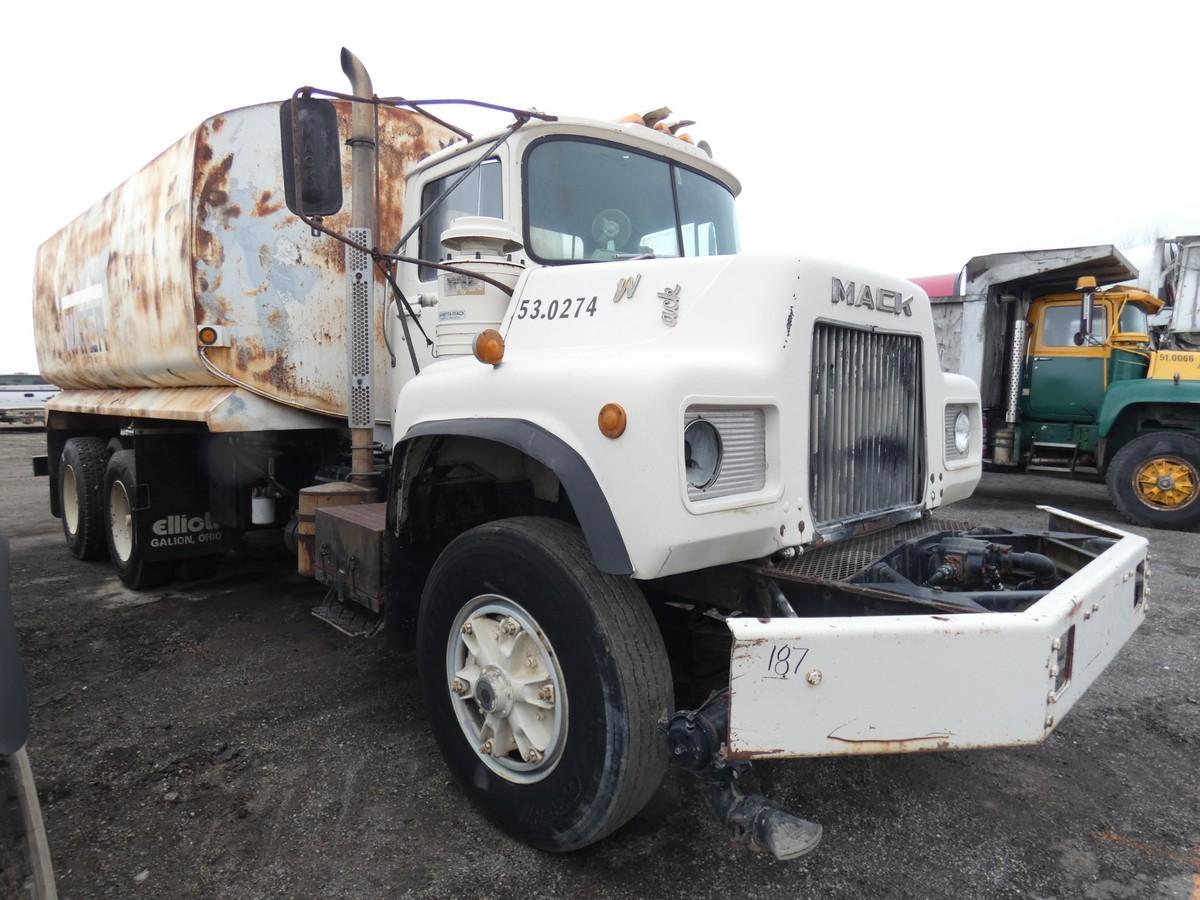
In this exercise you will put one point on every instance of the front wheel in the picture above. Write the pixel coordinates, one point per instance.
(1154, 480)
(545, 681)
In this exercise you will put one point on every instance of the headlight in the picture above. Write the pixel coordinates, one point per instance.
(701, 454)
(958, 431)
(962, 431)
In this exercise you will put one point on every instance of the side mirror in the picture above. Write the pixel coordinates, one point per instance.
(312, 157)
(1087, 308)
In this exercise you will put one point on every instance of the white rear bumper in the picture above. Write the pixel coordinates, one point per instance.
(900, 684)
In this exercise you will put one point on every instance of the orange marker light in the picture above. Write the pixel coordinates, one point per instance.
(489, 347)
(612, 420)
(208, 335)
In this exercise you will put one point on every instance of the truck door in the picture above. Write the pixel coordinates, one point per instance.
(1065, 383)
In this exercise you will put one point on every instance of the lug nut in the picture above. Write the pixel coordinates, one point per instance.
(486, 747)
(458, 686)
(510, 626)
(534, 756)
(531, 661)
(546, 693)
(468, 628)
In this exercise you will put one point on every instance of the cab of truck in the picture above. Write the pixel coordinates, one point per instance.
(574, 191)
(1068, 375)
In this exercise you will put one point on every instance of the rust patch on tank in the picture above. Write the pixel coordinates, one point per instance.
(214, 189)
(264, 205)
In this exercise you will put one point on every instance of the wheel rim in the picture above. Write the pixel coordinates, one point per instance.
(70, 499)
(506, 688)
(1166, 482)
(120, 521)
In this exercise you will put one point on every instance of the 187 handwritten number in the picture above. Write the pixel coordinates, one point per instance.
(785, 660)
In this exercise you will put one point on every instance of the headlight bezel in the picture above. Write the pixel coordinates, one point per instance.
(750, 463)
(954, 454)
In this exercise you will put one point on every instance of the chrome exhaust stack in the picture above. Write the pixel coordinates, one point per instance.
(360, 277)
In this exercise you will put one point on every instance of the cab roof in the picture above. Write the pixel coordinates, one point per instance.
(630, 134)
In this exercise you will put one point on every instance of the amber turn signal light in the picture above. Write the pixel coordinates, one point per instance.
(612, 420)
(208, 335)
(489, 347)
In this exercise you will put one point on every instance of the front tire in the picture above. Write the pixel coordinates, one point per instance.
(1154, 480)
(123, 527)
(545, 681)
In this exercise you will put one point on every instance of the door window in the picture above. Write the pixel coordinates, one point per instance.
(1060, 324)
(479, 195)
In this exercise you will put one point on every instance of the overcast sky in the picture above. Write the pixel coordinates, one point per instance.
(905, 136)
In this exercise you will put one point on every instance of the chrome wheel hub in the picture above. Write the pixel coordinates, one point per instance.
(120, 521)
(506, 688)
(70, 499)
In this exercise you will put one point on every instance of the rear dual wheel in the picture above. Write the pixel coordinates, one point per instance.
(81, 496)
(545, 681)
(123, 531)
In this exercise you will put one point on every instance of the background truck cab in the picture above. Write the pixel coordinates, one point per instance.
(1072, 381)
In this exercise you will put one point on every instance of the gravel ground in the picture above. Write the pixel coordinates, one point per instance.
(215, 740)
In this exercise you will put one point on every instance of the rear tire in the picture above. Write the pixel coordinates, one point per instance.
(1154, 480)
(581, 654)
(122, 527)
(81, 494)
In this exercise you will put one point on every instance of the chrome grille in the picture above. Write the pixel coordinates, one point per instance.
(867, 423)
(743, 450)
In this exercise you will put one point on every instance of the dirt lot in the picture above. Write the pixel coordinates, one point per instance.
(214, 739)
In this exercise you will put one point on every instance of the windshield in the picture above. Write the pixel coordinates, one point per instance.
(591, 201)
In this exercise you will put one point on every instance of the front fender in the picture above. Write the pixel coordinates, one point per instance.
(591, 507)
(1123, 394)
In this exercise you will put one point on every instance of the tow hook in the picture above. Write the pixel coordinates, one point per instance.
(695, 738)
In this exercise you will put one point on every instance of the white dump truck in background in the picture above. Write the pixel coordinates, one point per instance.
(638, 497)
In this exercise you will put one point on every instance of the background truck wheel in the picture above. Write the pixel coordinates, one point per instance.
(1154, 480)
(81, 489)
(121, 519)
(545, 682)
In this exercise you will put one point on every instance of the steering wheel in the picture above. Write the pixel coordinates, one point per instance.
(611, 229)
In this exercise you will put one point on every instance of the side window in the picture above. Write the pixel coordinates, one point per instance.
(705, 216)
(1060, 324)
(479, 195)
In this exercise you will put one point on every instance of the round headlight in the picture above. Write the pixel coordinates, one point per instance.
(701, 454)
(962, 432)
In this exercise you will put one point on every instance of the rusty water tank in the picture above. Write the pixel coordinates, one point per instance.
(201, 237)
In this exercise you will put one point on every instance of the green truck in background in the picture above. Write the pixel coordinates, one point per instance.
(1071, 379)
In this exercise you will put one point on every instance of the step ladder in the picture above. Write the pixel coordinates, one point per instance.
(351, 619)
(1052, 457)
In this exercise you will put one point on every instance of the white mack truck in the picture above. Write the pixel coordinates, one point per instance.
(637, 497)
